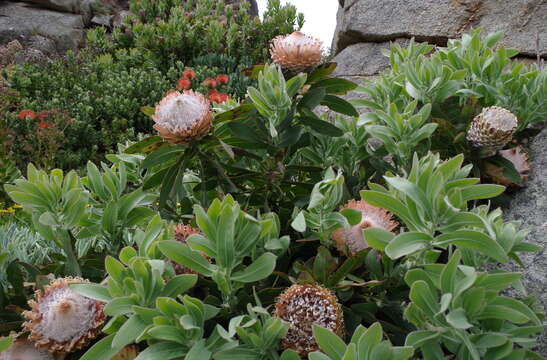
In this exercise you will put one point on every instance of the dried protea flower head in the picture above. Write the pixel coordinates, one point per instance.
(492, 128)
(62, 320)
(351, 241)
(182, 233)
(182, 116)
(518, 158)
(23, 349)
(303, 306)
(296, 52)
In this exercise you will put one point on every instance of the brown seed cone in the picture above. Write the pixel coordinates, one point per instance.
(183, 232)
(62, 320)
(520, 161)
(296, 52)
(303, 306)
(182, 117)
(492, 128)
(23, 349)
(129, 352)
(351, 241)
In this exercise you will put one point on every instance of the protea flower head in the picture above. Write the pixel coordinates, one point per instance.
(303, 306)
(182, 117)
(182, 233)
(23, 349)
(27, 115)
(518, 158)
(351, 241)
(189, 74)
(62, 320)
(184, 83)
(296, 52)
(492, 128)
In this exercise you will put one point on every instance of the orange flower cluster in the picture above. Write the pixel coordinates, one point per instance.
(185, 83)
(42, 116)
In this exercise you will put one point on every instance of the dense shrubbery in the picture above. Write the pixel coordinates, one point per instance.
(228, 237)
(102, 87)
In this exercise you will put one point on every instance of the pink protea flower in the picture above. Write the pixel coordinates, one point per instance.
(303, 306)
(23, 349)
(62, 320)
(296, 52)
(182, 117)
(351, 241)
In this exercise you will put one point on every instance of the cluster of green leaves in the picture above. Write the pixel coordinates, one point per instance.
(253, 150)
(85, 216)
(183, 31)
(453, 83)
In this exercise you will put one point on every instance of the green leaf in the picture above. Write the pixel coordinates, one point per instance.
(102, 350)
(481, 191)
(318, 125)
(295, 83)
(148, 110)
(92, 291)
(329, 342)
(457, 319)
(448, 275)
(178, 285)
(185, 256)
(420, 337)
(422, 296)
(6, 342)
(299, 222)
(407, 243)
(258, 270)
(353, 216)
(146, 145)
(378, 238)
(162, 156)
(198, 352)
(473, 240)
(339, 105)
(321, 72)
(336, 86)
(129, 331)
(163, 350)
(503, 313)
(289, 355)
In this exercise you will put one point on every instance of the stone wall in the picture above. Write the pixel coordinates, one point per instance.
(364, 27)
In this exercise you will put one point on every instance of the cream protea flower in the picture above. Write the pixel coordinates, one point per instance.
(303, 306)
(183, 232)
(492, 128)
(62, 320)
(182, 117)
(23, 349)
(351, 241)
(518, 158)
(296, 52)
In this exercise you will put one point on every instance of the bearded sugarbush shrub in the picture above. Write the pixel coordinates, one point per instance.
(240, 231)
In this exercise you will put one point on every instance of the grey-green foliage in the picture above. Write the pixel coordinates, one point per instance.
(22, 244)
(459, 309)
(365, 344)
(433, 203)
(229, 236)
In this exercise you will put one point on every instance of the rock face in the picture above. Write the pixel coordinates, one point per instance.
(366, 26)
(530, 207)
(82, 7)
(21, 20)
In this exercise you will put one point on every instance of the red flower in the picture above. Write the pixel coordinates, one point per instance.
(215, 96)
(184, 83)
(44, 125)
(189, 73)
(42, 115)
(27, 115)
(222, 78)
(210, 82)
